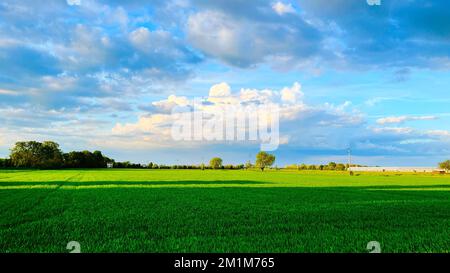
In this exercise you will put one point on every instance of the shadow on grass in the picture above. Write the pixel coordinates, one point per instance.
(215, 184)
(395, 187)
(136, 183)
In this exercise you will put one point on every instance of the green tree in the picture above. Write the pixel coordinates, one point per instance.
(25, 154)
(33, 154)
(445, 165)
(340, 167)
(264, 160)
(216, 163)
(332, 166)
(51, 155)
(86, 159)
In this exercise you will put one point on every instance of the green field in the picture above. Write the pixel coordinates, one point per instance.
(222, 211)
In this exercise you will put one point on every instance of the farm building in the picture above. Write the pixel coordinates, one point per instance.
(397, 169)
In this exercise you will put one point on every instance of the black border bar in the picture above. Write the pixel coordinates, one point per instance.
(231, 262)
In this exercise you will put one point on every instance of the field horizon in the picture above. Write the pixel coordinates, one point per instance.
(221, 211)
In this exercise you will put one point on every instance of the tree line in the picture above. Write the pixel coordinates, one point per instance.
(48, 155)
(152, 165)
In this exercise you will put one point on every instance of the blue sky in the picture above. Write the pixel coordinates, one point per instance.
(373, 78)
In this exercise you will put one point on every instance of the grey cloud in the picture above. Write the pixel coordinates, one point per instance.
(42, 47)
(343, 34)
(244, 42)
(395, 34)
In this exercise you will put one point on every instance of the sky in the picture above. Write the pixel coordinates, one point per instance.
(103, 75)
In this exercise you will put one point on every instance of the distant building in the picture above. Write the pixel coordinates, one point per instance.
(109, 165)
(397, 169)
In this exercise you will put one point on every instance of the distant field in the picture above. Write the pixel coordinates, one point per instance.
(223, 211)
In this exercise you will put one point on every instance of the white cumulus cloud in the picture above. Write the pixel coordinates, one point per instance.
(220, 90)
(299, 122)
(280, 8)
(292, 94)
